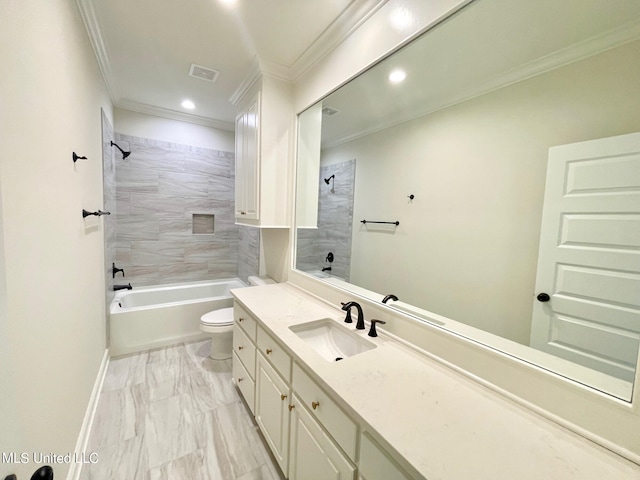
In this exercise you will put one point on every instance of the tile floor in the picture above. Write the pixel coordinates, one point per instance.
(173, 414)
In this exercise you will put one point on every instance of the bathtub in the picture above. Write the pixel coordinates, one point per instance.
(150, 317)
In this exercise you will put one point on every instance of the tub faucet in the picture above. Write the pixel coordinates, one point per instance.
(122, 287)
(326, 269)
(391, 296)
(347, 308)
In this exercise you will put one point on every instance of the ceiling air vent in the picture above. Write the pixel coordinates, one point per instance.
(329, 111)
(203, 73)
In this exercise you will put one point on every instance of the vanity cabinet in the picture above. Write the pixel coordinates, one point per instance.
(312, 451)
(272, 410)
(376, 464)
(244, 354)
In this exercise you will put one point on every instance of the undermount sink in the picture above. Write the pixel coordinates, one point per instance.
(331, 340)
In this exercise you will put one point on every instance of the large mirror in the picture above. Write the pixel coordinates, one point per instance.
(447, 144)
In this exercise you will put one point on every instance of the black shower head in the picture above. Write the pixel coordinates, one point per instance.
(124, 154)
(326, 180)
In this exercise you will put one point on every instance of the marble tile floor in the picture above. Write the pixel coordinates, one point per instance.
(173, 414)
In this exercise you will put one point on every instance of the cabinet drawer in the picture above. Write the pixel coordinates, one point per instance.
(276, 355)
(245, 350)
(245, 320)
(335, 421)
(244, 382)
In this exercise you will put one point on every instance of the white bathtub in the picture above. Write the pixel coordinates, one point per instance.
(150, 317)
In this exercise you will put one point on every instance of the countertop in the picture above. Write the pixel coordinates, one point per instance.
(442, 424)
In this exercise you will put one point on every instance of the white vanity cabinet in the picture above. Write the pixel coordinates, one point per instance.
(244, 354)
(376, 464)
(273, 396)
(313, 454)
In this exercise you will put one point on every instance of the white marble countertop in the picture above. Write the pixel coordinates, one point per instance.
(442, 424)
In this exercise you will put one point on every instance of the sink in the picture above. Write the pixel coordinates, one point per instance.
(331, 340)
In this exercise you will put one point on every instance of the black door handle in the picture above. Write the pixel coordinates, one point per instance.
(543, 297)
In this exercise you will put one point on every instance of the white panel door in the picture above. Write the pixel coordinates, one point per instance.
(589, 259)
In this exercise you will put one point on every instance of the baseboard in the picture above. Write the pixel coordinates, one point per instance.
(85, 430)
(118, 351)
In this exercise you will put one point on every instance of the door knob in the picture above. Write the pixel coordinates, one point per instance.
(543, 297)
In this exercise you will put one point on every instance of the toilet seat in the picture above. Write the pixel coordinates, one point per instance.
(217, 321)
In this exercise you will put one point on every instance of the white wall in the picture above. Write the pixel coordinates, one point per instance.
(173, 131)
(52, 319)
(477, 171)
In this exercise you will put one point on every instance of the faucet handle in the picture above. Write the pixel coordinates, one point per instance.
(347, 308)
(372, 329)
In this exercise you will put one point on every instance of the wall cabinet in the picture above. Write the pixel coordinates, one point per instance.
(247, 194)
(264, 130)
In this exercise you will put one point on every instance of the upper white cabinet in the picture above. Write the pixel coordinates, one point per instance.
(247, 164)
(264, 128)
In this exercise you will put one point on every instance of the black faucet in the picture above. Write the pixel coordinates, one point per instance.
(326, 269)
(122, 287)
(372, 329)
(391, 296)
(347, 308)
(116, 270)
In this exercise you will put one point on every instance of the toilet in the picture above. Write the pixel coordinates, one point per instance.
(219, 325)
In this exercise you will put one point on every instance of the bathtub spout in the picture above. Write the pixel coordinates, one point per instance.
(122, 287)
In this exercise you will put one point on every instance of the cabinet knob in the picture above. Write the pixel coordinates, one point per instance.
(240, 347)
(268, 350)
(240, 319)
(315, 405)
(283, 397)
(240, 379)
(291, 407)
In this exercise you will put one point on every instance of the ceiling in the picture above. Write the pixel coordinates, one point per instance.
(145, 48)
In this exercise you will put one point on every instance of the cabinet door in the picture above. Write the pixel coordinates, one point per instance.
(248, 161)
(272, 410)
(313, 455)
(240, 162)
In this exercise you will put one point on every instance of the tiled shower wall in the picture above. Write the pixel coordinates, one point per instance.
(159, 188)
(335, 220)
(109, 205)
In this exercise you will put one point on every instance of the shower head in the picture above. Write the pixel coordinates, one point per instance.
(326, 180)
(124, 154)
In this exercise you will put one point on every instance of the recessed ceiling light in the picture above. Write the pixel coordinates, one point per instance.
(188, 104)
(229, 3)
(397, 76)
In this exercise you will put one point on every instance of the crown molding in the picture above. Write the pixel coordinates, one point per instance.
(174, 115)
(566, 56)
(88, 15)
(352, 18)
(251, 77)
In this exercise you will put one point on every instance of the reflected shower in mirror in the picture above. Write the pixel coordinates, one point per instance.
(487, 94)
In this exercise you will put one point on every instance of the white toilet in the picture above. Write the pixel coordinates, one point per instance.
(219, 324)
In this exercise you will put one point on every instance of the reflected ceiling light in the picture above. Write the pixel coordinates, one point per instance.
(228, 3)
(188, 104)
(397, 76)
(401, 19)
